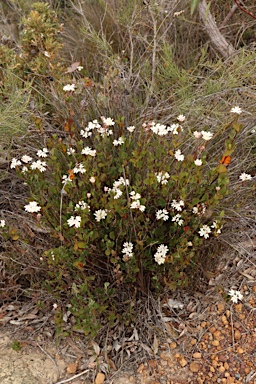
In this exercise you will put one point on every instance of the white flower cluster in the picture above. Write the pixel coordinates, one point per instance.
(127, 249)
(160, 254)
(162, 214)
(32, 207)
(38, 164)
(177, 218)
(116, 187)
(177, 205)
(162, 177)
(79, 168)
(178, 156)
(82, 205)
(89, 151)
(70, 151)
(69, 88)
(205, 231)
(159, 129)
(103, 129)
(236, 110)
(2, 223)
(204, 134)
(163, 130)
(74, 221)
(119, 141)
(131, 128)
(136, 202)
(245, 176)
(101, 214)
(235, 295)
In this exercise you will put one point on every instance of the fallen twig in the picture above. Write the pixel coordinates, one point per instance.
(72, 378)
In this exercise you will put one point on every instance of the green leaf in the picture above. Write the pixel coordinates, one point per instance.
(194, 4)
(221, 168)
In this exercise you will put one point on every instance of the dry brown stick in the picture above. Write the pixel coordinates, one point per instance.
(228, 17)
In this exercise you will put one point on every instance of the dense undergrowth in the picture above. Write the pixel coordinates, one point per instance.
(128, 153)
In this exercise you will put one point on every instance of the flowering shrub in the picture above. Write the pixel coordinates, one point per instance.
(134, 203)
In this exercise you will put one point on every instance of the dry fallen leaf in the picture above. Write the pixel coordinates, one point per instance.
(155, 345)
(72, 368)
(95, 347)
(99, 378)
(73, 67)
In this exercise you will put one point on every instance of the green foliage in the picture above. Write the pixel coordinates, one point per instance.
(103, 242)
(16, 346)
(102, 190)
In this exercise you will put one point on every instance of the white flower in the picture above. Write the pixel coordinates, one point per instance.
(174, 129)
(32, 207)
(26, 159)
(107, 121)
(161, 253)
(119, 141)
(131, 128)
(80, 67)
(101, 214)
(134, 195)
(198, 162)
(136, 205)
(204, 231)
(42, 152)
(2, 223)
(127, 249)
(162, 177)
(178, 156)
(92, 179)
(215, 226)
(69, 87)
(237, 110)
(162, 214)
(245, 176)
(235, 295)
(74, 220)
(177, 218)
(118, 193)
(24, 169)
(14, 163)
(195, 210)
(88, 151)
(159, 129)
(70, 151)
(177, 205)
(40, 165)
(190, 244)
(66, 179)
(120, 181)
(178, 13)
(82, 205)
(142, 208)
(79, 168)
(181, 118)
(197, 134)
(207, 135)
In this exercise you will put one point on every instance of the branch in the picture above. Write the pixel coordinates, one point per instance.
(225, 48)
(244, 10)
(228, 17)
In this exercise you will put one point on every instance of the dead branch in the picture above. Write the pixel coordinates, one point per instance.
(225, 48)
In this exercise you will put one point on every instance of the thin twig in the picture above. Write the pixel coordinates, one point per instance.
(232, 328)
(49, 356)
(74, 377)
